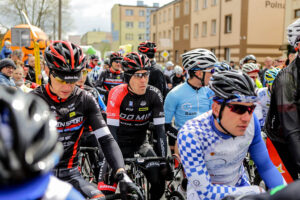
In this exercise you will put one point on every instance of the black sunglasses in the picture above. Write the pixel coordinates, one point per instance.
(241, 109)
(141, 75)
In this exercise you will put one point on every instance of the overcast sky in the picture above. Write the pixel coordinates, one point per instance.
(95, 14)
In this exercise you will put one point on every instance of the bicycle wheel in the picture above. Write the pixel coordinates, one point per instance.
(86, 169)
(175, 195)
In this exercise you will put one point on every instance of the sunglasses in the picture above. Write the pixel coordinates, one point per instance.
(61, 81)
(241, 109)
(117, 61)
(141, 75)
(210, 70)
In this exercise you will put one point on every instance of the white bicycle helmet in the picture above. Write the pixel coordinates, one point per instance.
(169, 64)
(198, 59)
(293, 33)
(178, 69)
(250, 67)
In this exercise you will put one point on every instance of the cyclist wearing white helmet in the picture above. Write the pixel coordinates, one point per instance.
(252, 70)
(191, 98)
(177, 77)
(168, 71)
(282, 123)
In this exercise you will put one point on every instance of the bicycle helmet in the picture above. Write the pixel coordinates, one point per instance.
(250, 68)
(270, 75)
(65, 60)
(198, 59)
(247, 58)
(28, 137)
(222, 66)
(133, 62)
(169, 64)
(148, 48)
(178, 69)
(115, 57)
(293, 33)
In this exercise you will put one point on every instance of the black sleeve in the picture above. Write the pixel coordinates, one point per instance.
(159, 130)
(99, 84)
(113, 130)
(157, 79)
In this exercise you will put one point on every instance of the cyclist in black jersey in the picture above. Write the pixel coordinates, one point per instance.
(111, 77)
(130, 108)
(75, 109)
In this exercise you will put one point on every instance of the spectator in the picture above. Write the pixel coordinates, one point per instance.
(17, 56)
(279, 62)
(18, 77)
(168, 71)
(268, 65)
(6, 50)
(7, 67)
(31, 69)
(177, 78)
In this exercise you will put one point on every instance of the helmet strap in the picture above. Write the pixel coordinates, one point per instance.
(201, 79)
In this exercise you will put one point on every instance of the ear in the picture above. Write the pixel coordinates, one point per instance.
(216, 109)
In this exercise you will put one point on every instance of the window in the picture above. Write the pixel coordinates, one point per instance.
(141, 36)
(297, 13)
(177, 33)
(227, 54)
(228, 24)
(186, 7)
(154, 19)
(196, 5)
(129, 36)
(213, 2)
(164, 34)
(169, 34)
(196, 30)
(213, 27)
(186, 31)
(154, 37)
(141, 24)
(141, 13)
(170, 14)
(213, 50)
(176, 56)
(159, 18)
(204, 29)
(204, 3)
(129, 24)
(165, 16)
(177, 11)
(129, 12)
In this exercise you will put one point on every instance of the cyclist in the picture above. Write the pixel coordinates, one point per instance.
(213, 145)
(29, 150)
(252, 70)
(111, 77)
(130, 108)
(191, 98)
(157, 78)
(168, 71)
(222, 66)
(282, 123)
(263, 94)
(249, 59)
(76, 109)
(93, 62)
(177, 77)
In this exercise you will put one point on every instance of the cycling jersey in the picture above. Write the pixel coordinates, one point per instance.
(213, 161)
(157, 78)
(176, 80)
(184, 102)
(46, 187)
(96, 95)
(262, 106)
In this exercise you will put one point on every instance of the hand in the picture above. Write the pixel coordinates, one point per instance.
(127, 186)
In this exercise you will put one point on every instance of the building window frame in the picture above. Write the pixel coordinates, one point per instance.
(214, 2)
(228, 23)
(196, 7)
(129, 24)
(204, 4)
(141, 13)
(141, 24)
(177, 11)
(177, 33)
(297, 13)
(204, 29)
(186, 31)
(213, 27)
(227, 54)
(186, 7)
(196, 30)
(129, 12)
(129, 36)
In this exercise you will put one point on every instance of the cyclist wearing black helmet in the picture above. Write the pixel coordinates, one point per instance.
(111, 77)
(130, 108)
(75, 109)
(213, 145)
(249, 59)
(29, 150)
(157, 78)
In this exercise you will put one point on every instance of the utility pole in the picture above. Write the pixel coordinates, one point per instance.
(59, 19)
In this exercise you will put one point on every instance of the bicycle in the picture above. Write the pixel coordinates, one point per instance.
(86, 168)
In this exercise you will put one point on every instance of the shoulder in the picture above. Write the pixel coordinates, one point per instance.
(155, 92)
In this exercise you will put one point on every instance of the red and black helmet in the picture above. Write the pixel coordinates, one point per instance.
(115, 57)
(147, 46)
(65, 60)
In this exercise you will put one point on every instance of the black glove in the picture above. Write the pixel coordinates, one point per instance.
(127, 186)
(171, 131)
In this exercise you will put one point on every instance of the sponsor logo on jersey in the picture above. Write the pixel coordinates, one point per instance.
(112, 103)
(129, 109)
(72, 114)
(130, 103)
(186, 106)
(144, 109)
(68, 123)
(133, 117)
(143, 103)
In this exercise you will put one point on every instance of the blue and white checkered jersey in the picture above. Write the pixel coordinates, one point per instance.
(213, 161)
(263, 105)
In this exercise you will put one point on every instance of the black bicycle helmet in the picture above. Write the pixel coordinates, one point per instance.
(65, 60)
(133, 62)
(222, 66)
(114, 57)
(148, 48)
(247, 58)
(28, 137)
(232, 85)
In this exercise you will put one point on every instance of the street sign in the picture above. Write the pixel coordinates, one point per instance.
(165, 54)
(20, 37)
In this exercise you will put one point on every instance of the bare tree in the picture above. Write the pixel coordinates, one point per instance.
(41, 13)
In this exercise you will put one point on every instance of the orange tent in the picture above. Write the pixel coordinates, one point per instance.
(42, 39)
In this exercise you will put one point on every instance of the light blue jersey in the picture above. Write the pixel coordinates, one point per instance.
(213, 161)
(185, 103)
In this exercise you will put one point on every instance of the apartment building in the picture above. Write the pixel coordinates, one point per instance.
(130, 24)
(162, 30)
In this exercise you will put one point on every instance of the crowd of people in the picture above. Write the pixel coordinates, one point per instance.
(210, 113)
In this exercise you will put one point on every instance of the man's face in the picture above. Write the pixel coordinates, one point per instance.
(83, 78)
(139, 82)
(31, 62)
(234, 123)
(61, 88)
(116, 65)
(253, 75)
(18, 74)
(8, 71)
(208, 74)
(268, 62)
(95, 61)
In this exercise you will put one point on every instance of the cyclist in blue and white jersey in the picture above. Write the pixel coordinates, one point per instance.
(213, 145)
(263, 94)
(191, 98)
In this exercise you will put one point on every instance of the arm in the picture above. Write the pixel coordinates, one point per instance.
(170, 107)
(99, 83)
(191, 150)
(260, 156)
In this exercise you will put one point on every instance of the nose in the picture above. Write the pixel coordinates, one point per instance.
(246, 116)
